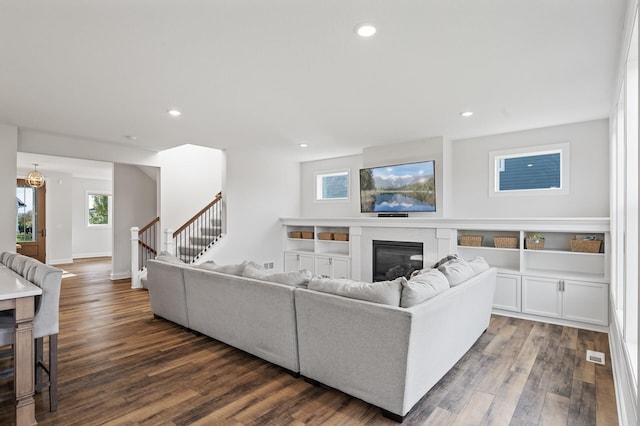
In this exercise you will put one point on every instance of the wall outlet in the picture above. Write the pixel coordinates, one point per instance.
(597, 357)
(269, 265)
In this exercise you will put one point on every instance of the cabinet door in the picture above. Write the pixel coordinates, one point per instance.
(508, 293)
(541, 296)
(291, 262)
(585, 302)
(306, 261)
(323, 266)
(341, 268)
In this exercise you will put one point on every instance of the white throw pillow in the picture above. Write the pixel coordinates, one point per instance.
(223, 269)
(457, 271)
(294, 278)
(423, 287)
(167, 257)
(478, 264)
(385, 292)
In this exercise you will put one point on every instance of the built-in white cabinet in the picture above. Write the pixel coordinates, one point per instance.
(336, 267)
(323, 250)
(508, 292)
(542, 296)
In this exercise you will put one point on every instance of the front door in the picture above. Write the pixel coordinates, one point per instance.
(30, 220)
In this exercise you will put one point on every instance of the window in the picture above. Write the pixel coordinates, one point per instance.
(98, 210)
(540, 170)
(25, 214)
(332, 186)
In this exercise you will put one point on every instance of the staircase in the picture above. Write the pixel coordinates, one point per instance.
(200, 232)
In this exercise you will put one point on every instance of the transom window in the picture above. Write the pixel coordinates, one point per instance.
(530, 171)
(332, 186)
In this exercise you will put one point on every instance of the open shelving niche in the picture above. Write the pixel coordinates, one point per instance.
(321, 256)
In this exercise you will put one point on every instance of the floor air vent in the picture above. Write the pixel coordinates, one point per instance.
(597, 357)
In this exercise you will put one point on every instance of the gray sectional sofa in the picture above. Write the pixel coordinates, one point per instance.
(389, 356)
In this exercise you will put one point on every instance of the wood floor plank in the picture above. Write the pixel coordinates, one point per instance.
(119, 365)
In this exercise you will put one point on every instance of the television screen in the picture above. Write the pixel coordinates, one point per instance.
(400, 188)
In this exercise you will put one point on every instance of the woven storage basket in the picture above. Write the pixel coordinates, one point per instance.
(341, 236)
(325, 235)
(505, 242)
(586, 246)
(531, 245)
(471, 240)
(307, 235)
(295, 234)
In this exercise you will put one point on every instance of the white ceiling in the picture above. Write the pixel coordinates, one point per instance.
(47, 164)
(272, 74)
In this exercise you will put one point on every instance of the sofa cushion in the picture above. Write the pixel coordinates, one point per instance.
(224, 269)
(457, 271)
(167, 257)
(385, 292)
(423, 287)
(295, 278)
(478, 264)
(445, 260)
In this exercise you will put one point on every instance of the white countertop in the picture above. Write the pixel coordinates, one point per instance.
(13, 286)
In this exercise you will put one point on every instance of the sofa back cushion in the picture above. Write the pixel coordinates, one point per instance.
(385, 292)
(423, 287)
(223, 269)
(457, 271)
(478, 264)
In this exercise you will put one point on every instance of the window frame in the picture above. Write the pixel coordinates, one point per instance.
(318, 186)
(565, 171)
(87, 207)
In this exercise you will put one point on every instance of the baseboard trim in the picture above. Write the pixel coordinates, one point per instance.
(557, 321)
(60, 261)
(120, 276)
(88, 255)
(622, 375)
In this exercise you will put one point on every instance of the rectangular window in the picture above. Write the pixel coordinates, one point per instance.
(98, 210)
(25, 214)
(540, 170)
(332, 186)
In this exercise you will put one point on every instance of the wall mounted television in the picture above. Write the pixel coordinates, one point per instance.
(400, 188)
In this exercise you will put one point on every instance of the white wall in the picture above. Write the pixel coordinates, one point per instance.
(59, 221)
(88, 242)
(589, 190)
(134, 204)
(9, 150)
(259, 189)
(191, 176)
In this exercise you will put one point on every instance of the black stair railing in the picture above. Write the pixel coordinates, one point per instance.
(147, 243)
(200, 232)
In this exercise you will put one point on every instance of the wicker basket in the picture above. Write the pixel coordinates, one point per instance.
(586, 246)
(535, 245)
(505, 242)
(341, 236)
(471, 240)
(307, 235)
(295, 234)
(325, 235)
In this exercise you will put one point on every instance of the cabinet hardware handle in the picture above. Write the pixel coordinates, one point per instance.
(330, 261)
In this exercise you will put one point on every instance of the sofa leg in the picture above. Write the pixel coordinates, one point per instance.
(392, 416)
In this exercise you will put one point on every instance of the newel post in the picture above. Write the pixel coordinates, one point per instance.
(168, 241)
(135, 270)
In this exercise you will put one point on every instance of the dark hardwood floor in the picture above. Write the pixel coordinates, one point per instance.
(118, 365)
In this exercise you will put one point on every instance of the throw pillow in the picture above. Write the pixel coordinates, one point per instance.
(223, 269)
(457, 271)
(294, 278)
(478, 264)
(165, 256)
(445, 260)
(423, 287)
(384, 292)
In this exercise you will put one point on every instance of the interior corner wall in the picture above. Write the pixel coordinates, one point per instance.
(589, 180)
(191, 176)
(259, 190)
(59, 218)
(9, 149)
(134, 204)
(88, 242)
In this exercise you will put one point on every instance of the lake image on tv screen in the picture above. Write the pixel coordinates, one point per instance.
(402, 188)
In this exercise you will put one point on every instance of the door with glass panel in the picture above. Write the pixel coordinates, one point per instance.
(30, 220)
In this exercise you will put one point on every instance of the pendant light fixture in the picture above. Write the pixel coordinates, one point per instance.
(35, 179)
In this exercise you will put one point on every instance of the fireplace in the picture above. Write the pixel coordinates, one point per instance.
(393, 259)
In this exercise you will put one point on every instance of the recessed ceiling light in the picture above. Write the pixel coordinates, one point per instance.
(303, 145)
(174, 113)
(365, 30)
(466, 114)
(131, 137)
